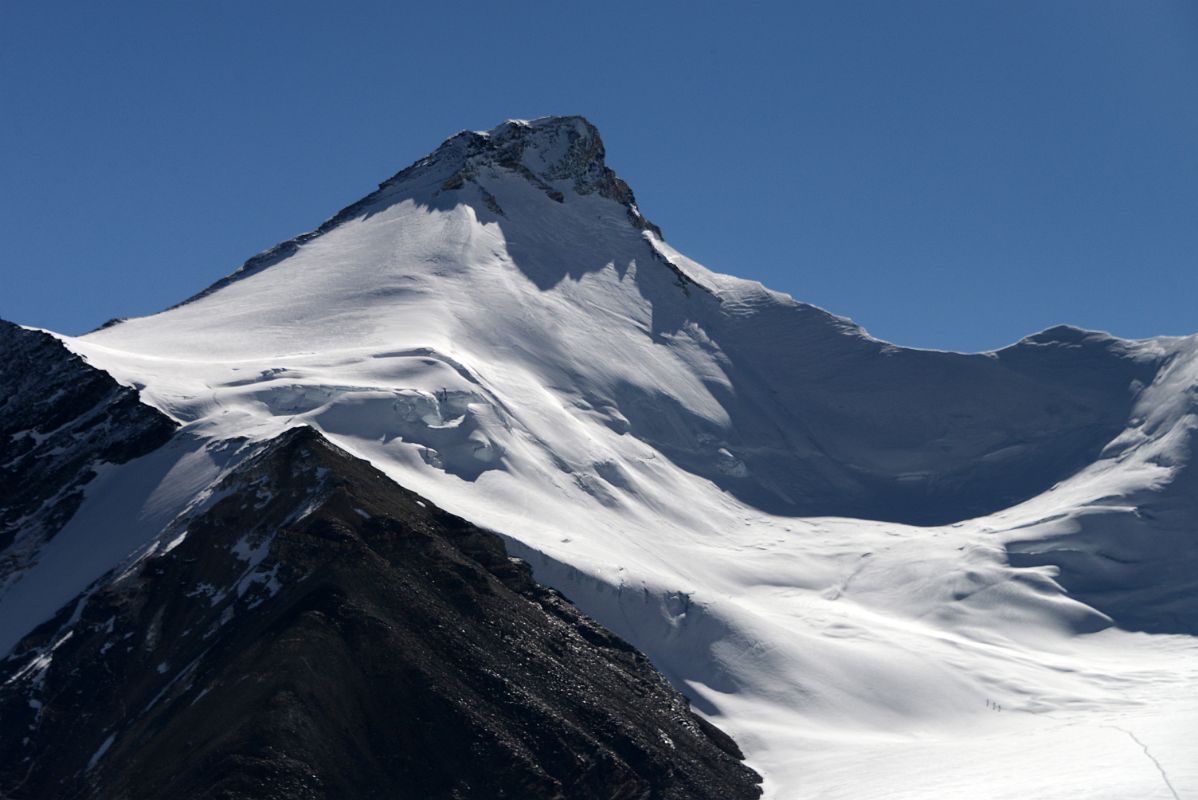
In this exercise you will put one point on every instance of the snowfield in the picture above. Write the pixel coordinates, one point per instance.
(888, 573)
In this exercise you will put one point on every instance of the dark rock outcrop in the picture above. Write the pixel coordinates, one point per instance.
(322, 632)
(59, 419)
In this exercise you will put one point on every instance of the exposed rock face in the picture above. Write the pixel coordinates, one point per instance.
(545, 151)
(59, 420)
(321, 632)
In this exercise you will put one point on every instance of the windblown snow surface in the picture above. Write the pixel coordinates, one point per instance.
(888, 573)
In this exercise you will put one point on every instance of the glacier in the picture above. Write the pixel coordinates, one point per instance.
(887, 572)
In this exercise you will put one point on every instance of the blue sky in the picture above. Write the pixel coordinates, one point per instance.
(949, 174)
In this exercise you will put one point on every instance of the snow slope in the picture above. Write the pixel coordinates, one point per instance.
(849, 553)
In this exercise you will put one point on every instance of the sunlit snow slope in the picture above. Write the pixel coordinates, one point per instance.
(850, 553)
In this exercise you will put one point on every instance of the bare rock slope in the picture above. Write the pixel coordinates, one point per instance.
(319, 631)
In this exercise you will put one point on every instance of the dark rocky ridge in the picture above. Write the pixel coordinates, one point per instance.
(322, 632)
(59, 419)
(509, 145)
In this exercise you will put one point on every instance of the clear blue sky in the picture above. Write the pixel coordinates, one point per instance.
(949, 174)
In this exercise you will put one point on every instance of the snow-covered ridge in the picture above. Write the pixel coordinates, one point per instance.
(555, 154)
(803, 526)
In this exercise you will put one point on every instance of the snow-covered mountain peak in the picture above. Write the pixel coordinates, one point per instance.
(548, 173)
(819, 534)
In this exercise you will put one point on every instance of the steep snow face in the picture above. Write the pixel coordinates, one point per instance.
(518, 256)
(499, 329)
(1128, 545)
